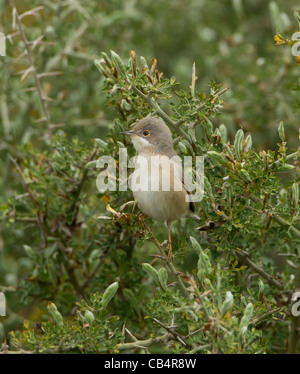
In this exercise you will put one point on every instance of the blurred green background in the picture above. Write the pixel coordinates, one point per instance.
(230, 41)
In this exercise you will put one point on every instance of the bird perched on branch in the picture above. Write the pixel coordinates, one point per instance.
(158, 182)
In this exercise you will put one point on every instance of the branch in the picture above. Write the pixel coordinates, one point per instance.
(32, 68)
(265, 315)
(33, 199)
(205, 311)
(245, 257)
(288, 157)
(201, 106)
(80, 185)
(293, 229)
(142, 343)
(153, 104)
(280, 220)
(169, 329)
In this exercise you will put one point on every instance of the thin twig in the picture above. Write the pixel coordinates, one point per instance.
(197, 349)
(169, 329)
(131, 335)
(288, 157)
(143, 343)
(205, 311)
(201, 106)
(280, 220)
(32, 69)
(269, 278)
(80, 185)
(265, 315)
(34, 201)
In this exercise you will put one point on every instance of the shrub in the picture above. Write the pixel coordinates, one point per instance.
(94, 282)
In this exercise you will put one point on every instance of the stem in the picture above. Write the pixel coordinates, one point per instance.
(80, 186)
(34, 201)
(142, 343)
(176, 335)
(201, 106)
(244, 256)
(280, 220)
(284, 223)
(207, 316)
(161, 113)
(288, 157)
(264, 316)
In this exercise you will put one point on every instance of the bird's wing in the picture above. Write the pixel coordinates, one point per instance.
(184, 181)
(187, 188)
(192, 205)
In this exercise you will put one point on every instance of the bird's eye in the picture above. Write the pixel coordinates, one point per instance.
(146, 133)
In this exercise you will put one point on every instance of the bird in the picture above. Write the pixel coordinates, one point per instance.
(158, 182)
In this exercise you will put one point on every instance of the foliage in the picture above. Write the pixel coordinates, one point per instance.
(88, 332)
(84, 281)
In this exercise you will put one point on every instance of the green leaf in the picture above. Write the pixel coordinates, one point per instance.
(247, 144)
(29, 251)
(151, 271)
(208, 188)
(163, 278)
(248, 313)
(227, 304)
(238, 141)
(89, 317)
(218, 157)
(109, 294)
(130, 296)
(281, 131)
(55, 314)
(224, 133)
(295, 193)
(283, 168)
(118, 64)
(196, 246)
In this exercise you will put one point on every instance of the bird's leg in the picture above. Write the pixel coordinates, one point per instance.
(169, 245)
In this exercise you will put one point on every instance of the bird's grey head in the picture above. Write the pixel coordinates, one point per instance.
(153, 135)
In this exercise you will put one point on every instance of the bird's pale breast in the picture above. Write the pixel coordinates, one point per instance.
(157, 186)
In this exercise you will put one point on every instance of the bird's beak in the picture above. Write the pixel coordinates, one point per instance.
(129, 132)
